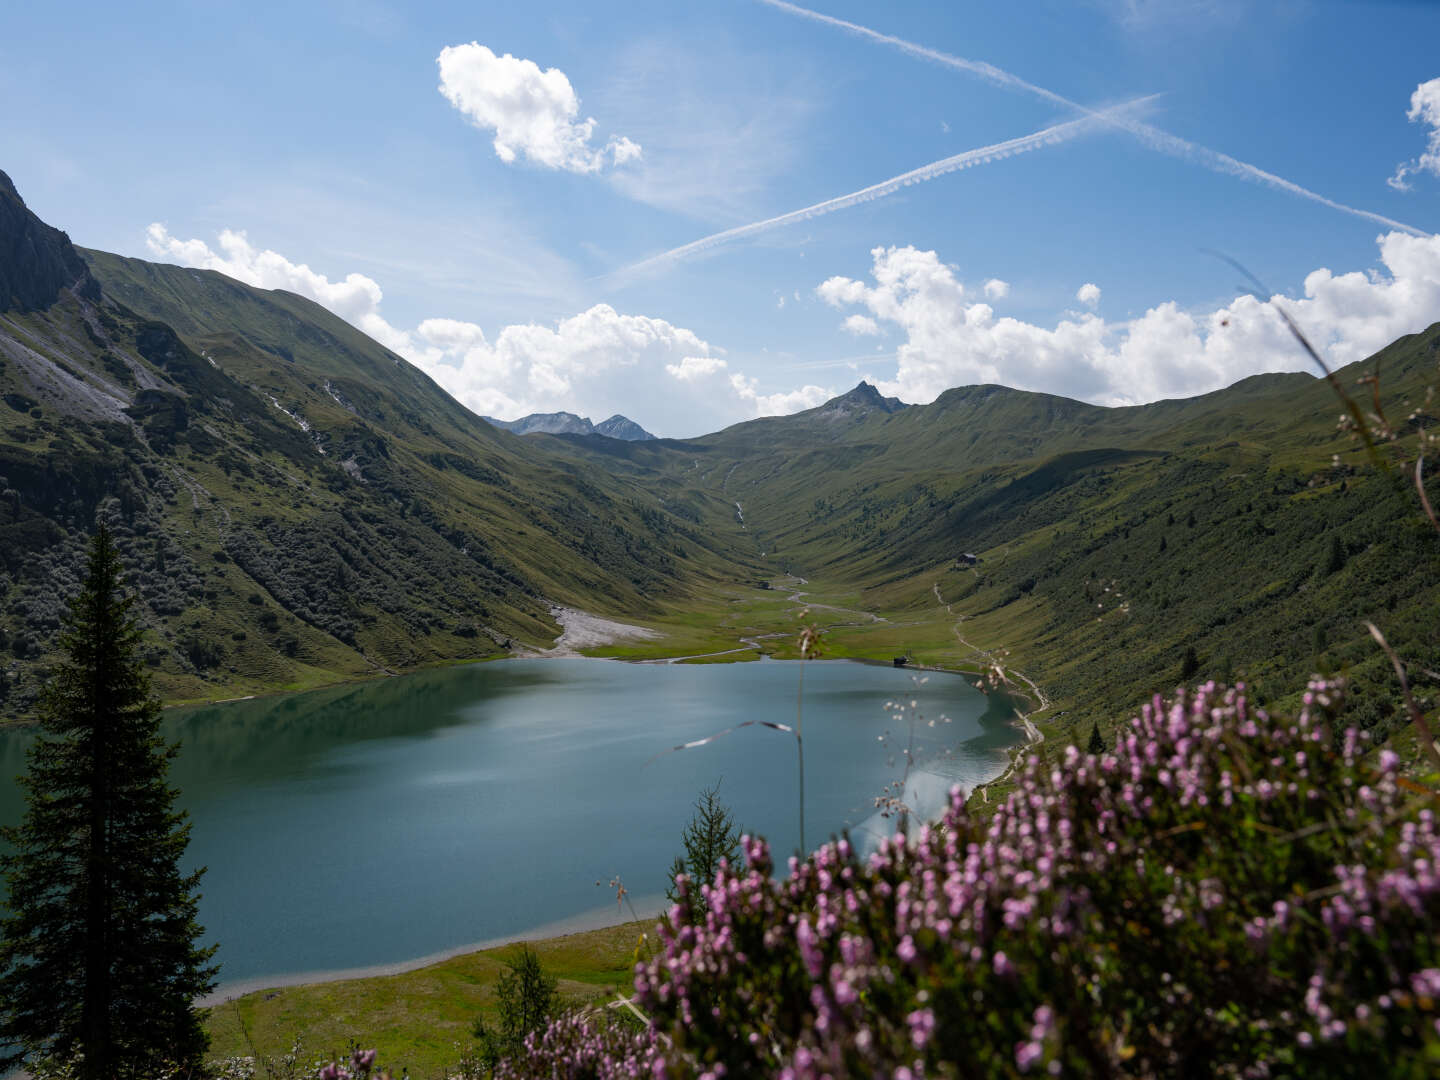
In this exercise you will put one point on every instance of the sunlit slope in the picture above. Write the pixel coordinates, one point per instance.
(1110, 540)
(296, 504)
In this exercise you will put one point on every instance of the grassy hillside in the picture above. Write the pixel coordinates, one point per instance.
(296, 504)
(1242, 525)
(299, 505)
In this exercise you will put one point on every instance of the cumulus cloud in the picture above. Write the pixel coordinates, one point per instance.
(861, 326)
(1424, 109)
(597, 362)
(1088, 294)
(695, 367)
(952, 340)
(535, 368)
(356, 299)
(995, 289)
(532, 112)
(781, 403)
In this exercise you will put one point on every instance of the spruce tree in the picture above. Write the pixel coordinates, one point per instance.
(712, 835)
(99, 961)
(1097, 743)
(525, 999)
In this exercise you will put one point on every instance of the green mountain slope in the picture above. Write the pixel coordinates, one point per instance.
(1242, 525)
(299, 505)
(295, 503)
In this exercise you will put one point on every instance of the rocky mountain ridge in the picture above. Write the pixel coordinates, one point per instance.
(567, 423)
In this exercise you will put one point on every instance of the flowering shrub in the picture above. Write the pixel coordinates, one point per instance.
(1225, 893)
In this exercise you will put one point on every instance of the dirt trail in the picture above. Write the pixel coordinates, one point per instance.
(1033, 735)
(798, 597)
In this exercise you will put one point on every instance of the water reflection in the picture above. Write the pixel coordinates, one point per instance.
(393, 819)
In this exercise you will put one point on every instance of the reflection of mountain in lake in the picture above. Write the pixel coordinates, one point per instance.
(396, 818)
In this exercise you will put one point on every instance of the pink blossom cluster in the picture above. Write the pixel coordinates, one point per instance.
(1225, 894)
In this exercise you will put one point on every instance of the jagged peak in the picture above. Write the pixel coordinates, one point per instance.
(860, 402)
(37, 261)
(567, 423)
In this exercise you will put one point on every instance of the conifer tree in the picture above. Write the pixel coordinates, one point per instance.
(1097, 743)
(99, 962)
(712, 835)
(525, 1000)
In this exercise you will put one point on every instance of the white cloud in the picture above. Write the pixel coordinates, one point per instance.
(695, 367)
(861, 325)
(1424, 109)
(599, 361)
(995, 289)
(778, 404)
(355, 299)
(580, 360)
(1166, 352)
(532, 112)
(1088, 294)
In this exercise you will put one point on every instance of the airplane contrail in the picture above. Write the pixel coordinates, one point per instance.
(1151, 136)
(983, 155)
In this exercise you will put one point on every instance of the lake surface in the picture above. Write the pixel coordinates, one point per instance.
(377, 823)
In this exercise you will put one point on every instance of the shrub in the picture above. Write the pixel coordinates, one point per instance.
(525, 1000)
(711, 839)
(1223, 894)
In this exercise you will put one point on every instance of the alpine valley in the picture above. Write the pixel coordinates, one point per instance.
(297, 506)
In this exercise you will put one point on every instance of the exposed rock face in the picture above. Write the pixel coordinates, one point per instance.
(36, 261)
(621, 427)
(556, 423)
(564, 423)
(857, 405)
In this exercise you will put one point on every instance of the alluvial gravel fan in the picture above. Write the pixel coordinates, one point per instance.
(1227, 893)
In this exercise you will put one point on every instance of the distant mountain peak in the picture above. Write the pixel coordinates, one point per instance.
(37, 261)
(622, 427)
(566, 423)
(857, 404)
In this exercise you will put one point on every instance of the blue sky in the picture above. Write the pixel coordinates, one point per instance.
(429, 172)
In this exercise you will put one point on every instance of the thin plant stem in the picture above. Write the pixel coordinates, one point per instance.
(800, 745)
(1416, 716)
(1420, 487)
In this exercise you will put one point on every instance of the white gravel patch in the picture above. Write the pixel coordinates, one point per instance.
(581, 630)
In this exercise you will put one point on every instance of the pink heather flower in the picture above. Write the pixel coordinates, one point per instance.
(906, 949)
(1002, 964)
(1027, 1054)
(922, 1023)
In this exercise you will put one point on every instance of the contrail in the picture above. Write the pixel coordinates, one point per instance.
(983, 155)
(1148, 134)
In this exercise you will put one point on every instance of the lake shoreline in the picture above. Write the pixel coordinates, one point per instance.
(585, 922)
(596, 919)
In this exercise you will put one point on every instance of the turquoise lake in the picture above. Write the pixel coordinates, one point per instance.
(373, 824)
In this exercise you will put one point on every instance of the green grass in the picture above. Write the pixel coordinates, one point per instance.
(418, 1019)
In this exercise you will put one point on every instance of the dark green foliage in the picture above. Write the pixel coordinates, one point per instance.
(711, 837)
(1096, 745)
(203, 652)
(1189, 664)
(525, 999)
(98, 958)
(1335, 561)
